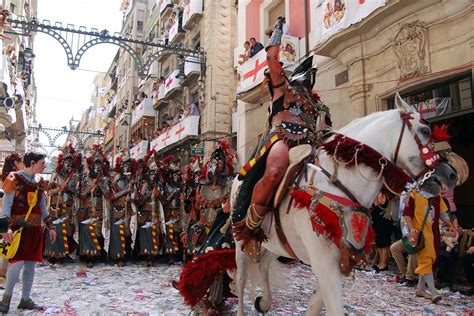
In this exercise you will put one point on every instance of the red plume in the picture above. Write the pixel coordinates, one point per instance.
(440, 133)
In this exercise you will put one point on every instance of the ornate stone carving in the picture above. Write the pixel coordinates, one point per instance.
(410, 47)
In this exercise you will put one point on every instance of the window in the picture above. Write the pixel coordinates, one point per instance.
(441, 98)
(140, 20)
(12, 8)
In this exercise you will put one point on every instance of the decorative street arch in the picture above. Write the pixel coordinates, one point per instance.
(82, 39)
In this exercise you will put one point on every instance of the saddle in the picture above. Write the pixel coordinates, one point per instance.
(296, 157)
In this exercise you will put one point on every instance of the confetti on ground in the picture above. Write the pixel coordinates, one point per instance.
(72, 289)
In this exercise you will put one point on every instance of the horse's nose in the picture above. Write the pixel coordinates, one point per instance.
(453, 177)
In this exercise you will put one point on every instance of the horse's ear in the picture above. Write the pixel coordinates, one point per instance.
(401, 104)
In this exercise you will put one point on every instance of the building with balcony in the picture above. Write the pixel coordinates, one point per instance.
(126, 94)
(366, 51)
(17, 84)
(192, 101)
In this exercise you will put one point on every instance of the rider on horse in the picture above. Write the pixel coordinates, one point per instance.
(296, 117)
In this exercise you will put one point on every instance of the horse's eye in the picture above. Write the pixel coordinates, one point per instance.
(425, 131)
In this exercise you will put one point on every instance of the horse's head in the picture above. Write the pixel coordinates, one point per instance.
(419, 151)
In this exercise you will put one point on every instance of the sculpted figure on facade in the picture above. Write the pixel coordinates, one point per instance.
(411, 50)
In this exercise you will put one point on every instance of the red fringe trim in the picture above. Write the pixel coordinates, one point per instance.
(326, 222)
(198, 275)
(394, 176)
(301, 198)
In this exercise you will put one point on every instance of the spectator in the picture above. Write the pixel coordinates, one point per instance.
(255, 46)
(382, 224)
(193, 109)
(246, 55)
(178, 117)
(398, 250)
(468, 264)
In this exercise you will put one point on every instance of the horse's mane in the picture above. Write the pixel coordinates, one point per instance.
(361, 122)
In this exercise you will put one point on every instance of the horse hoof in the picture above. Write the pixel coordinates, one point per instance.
(257, 305)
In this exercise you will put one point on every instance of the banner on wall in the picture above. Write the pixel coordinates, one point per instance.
(333, 16)
(187, 127)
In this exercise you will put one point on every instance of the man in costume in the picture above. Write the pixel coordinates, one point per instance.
(296, 117)
(124, 218)
(92, 203)
(150, 211)
(24, 195)
(189, 237)
(172, 209)
(205, 275)
(62, 190)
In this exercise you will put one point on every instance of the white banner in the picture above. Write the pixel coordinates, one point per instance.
(145, 108)
(173, 30)
(193, 7)
(169, 85)
(433, 107)
(251, 72)
(333, 16)
(139, 151)
(191, 65)
(187, 127)
(7, 146)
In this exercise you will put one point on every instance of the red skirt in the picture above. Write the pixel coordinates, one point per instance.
(31, 245)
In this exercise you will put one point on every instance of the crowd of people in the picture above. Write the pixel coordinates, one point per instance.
(432, 267)
(153, 210)
(251, 48)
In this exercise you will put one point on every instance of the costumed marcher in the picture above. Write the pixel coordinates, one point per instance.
(25, 196)
(204, 278)
(423, 207)
(123, 226)
(13, 162)
(93, 208)
(62, 192)
(296, 117)
(189, 238)
(172, 210)
(151, 222)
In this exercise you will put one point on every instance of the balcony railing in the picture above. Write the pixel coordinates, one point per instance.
(191, 14)
(139, 150)
(145, 108)
(176, 33)
(170, 85)
(192, 70)
(165, 8)
(187, 128)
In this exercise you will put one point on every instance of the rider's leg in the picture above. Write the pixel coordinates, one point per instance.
(249, 230)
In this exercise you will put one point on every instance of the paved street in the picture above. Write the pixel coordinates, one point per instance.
(104, 290)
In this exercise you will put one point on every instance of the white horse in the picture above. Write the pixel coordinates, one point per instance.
(381, 131)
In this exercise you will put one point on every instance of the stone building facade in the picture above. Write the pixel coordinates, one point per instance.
(421, 49)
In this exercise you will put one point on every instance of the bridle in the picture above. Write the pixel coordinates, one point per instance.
(427, 153)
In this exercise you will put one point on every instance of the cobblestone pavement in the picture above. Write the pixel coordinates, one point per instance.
(108, 290)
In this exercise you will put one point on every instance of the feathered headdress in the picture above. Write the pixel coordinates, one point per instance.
(125, 157)
(98, 156)
(68, 152)
(440, 133)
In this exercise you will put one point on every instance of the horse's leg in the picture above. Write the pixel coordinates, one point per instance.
(240, 276)
(326, 269)
(262, 304)
(315, 305)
